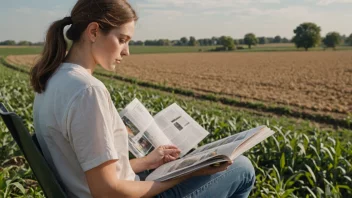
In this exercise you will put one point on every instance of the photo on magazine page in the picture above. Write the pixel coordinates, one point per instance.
(146, 144)
(133, 130)
(193, 160)
(180, 122)
(142, 147)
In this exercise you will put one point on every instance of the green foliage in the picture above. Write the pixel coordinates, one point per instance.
(8, 42)
(263, 40)
(307, 35)
(277, 39)
(184, 41)
(166, 49)
(159, 42)
(285, 40)
(221, 40)
(20, 50)
(205, 42)
(228, 43)
(24, 43)
(21, 43)
(332, 39)
(192, 41)
(298, 161)
(250, 39)
(348, 40)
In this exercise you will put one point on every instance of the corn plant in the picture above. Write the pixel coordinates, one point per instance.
(298, 161)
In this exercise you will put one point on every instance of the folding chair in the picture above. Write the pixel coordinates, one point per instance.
(29, 146)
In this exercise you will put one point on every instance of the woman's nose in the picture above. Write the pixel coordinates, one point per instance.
(125, 51)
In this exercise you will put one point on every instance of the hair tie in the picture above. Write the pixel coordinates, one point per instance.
(68, 20)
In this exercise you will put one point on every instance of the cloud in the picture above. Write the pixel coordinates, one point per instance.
(45, 13)
(165, 14)
(19, 29)
(291, 12)
(287, 12)
(328, 2)
(202, 4)
(147, 6)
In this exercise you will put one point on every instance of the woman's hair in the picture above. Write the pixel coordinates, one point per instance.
(108, 14)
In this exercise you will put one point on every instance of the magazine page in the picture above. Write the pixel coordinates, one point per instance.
(192, 168)
(223, 150)
(237, 138)
(180, 166)
(250, 143)
(143, 133)
(180, 128)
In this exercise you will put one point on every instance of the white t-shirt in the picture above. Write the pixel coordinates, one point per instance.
(79, 128)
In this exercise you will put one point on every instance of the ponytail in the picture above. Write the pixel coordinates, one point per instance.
(53, 55)
(109, 14)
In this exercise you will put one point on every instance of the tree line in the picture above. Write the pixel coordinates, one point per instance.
(307, 35)
(192, 41)
(21, 43)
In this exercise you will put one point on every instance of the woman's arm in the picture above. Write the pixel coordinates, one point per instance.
(103, 182)
(156, 158)
(139, 164)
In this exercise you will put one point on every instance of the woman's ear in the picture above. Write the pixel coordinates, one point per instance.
(92, 31)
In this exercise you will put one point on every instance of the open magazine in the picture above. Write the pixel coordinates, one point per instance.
(174, 126)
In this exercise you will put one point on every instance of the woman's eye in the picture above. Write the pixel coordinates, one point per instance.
(122, 40)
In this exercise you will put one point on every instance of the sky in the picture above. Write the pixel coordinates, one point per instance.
(173, 19)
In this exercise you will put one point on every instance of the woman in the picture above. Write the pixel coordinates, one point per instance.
(79, 130)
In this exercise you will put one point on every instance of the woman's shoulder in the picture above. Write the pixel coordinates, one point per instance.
(72, 76)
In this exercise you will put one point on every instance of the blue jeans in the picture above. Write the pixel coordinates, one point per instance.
(236, 181)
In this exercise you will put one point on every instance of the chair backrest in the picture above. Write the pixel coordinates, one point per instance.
(29, 146)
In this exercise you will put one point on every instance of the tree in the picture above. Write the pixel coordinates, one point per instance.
(221, 40)
(348, 40)
(250, 39)
(241, 41)
(262, 40)
(139, 43)
(192, 41)
(184, 41)
(210, 42)
(228, 43)
(277, 39)
(163, 42)
(152, 42)
(38, 43)
(332, 39)
(24, 43)
(204, 42)
(285, 40)
(214, 40)
(270, 39)
(307, 35)
(343, 39)
(176, 42)
(8, 42)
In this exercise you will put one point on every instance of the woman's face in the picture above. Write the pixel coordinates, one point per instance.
(108, 49)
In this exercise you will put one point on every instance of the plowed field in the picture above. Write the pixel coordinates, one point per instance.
(319, 81)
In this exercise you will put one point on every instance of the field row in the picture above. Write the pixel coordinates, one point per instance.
(319, 81)
(297, 161)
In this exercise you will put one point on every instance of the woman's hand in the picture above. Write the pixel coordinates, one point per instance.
(162, 155)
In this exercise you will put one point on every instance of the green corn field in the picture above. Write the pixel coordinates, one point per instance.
(300, 160)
